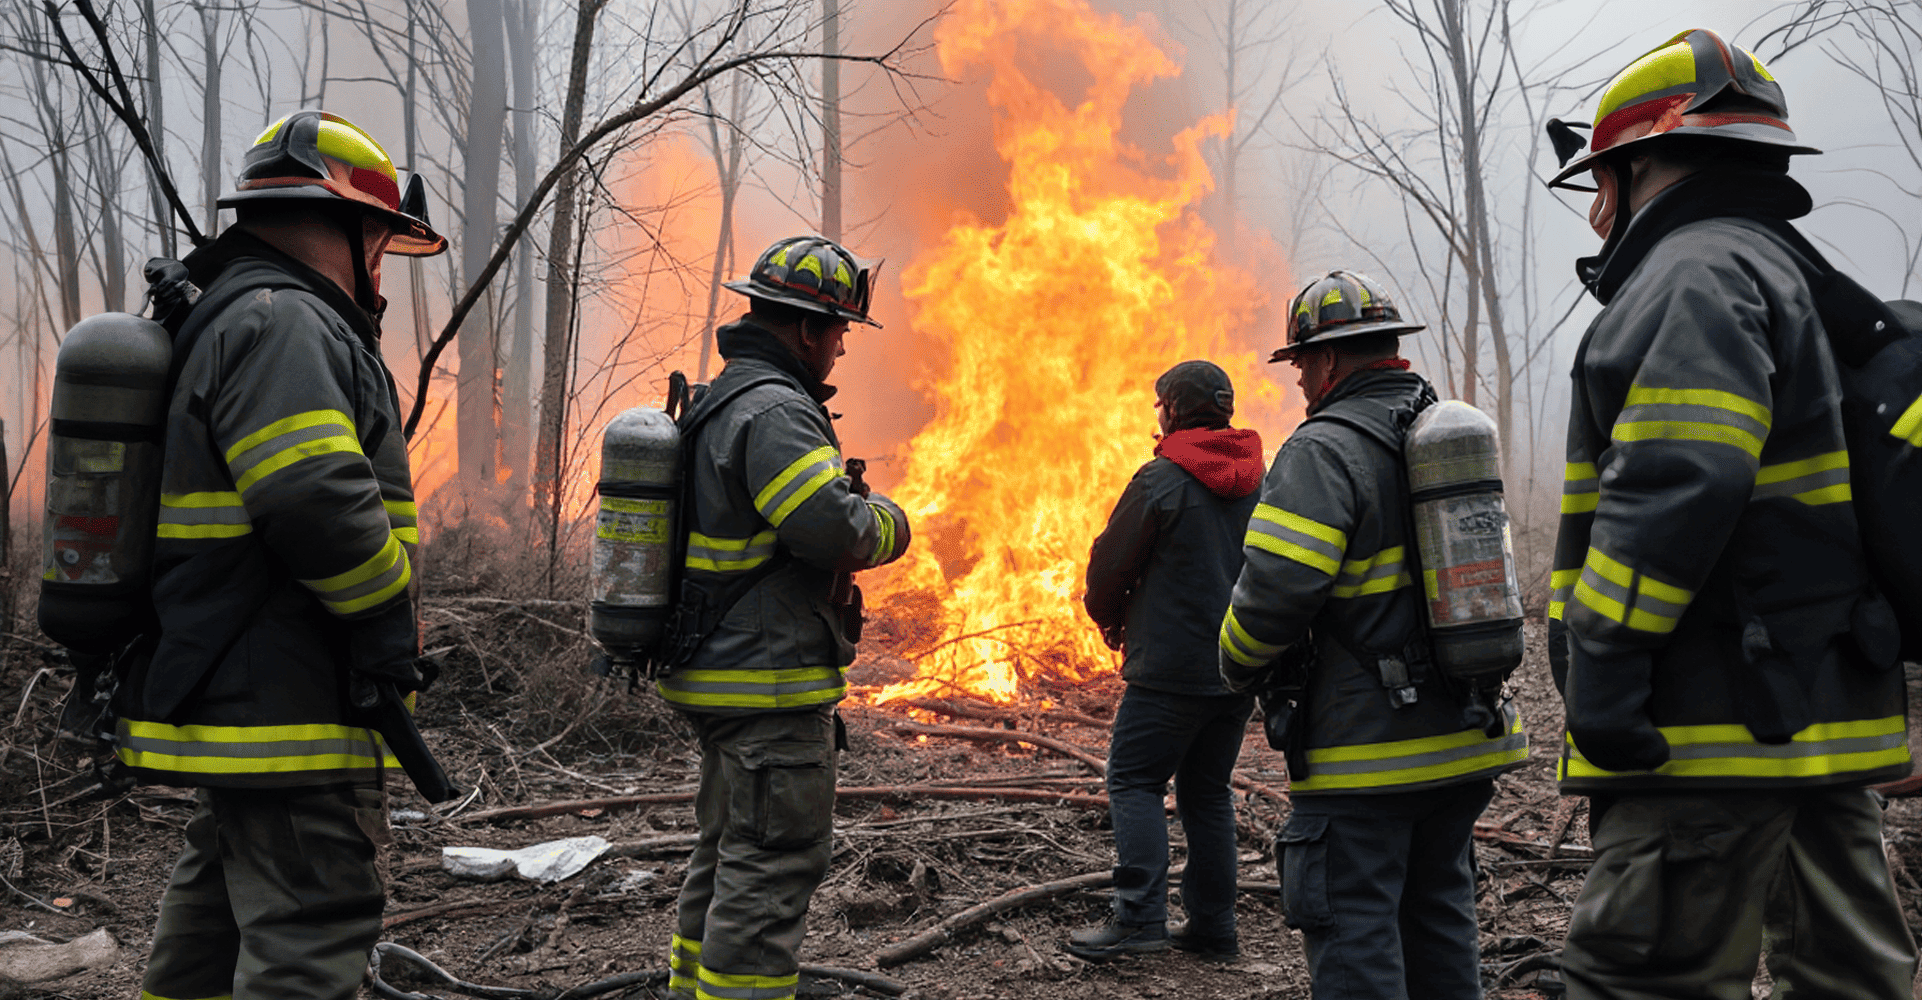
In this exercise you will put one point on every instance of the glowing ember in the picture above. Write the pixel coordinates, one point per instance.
(1057, 321)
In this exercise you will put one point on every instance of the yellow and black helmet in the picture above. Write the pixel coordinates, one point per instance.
(316, 155)
(1339, 305)
(1666, 93)
(812, 273)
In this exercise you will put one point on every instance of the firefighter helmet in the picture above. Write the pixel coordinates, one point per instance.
(1339, 305)
(1666, 93)
(812, 273)
(316, 155)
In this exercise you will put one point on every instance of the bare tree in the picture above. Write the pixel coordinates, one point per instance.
(1256, 73)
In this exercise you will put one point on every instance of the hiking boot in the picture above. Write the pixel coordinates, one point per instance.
(1207, 947)
(1112, 938)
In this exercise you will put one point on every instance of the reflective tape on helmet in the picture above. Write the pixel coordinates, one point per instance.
(1822, 750)
(762, 690)
(1292, 536)
(1452, 756)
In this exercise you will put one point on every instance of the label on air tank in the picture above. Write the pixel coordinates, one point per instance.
(631, 550)
(1467, 560)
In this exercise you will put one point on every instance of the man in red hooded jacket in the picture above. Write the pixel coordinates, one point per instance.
(1158, 579)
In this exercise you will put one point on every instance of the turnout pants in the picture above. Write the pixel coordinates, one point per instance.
(1383, 892)
(1194, 740)
(1687, 887)
(766, 812)
(274, 898)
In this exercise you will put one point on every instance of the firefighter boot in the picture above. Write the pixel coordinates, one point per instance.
(1113, 938)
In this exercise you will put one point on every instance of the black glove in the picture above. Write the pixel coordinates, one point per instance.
(387, 647)
(1607, 701)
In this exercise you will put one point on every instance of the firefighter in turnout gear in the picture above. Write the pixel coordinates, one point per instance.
(282, 576)
(1327, 616)
(776, 528)
(1728, 672)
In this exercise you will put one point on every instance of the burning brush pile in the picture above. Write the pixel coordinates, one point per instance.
(1055, 321)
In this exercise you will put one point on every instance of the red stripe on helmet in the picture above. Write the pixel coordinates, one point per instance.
(1608, 129)
(377, 184)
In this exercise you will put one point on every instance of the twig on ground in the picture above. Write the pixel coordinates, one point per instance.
(981, 734)
(1564, 815)
(984, 633)
(932, 938)
(541, 809)
(35, 900)
(964, 709)
(1494, 832)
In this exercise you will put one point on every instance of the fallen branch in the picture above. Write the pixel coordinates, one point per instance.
(1494, 832)
(1564, 816)
(932, 938)
(539, 810)
(1901, 789)
(962, 709)
(856, 977)
(981, 734)
(1248, 784)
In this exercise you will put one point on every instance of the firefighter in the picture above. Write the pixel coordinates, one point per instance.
(1386, 782)
(777, 529)
(1728, 674)
(282, 577)
(1157, 576)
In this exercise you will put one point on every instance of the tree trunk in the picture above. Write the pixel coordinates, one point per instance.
(211, 168)
(517, 391)
(410, 128)
(549, 455)
(476, 421)
(830, 121)
(1230, 149)
(728, 168)
(153, 95)
(1481, 268)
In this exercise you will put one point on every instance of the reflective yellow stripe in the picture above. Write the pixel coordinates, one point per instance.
(1822, 479)
(300, 445)
(1556, 610)
(1608, 587)
(1689, 430)
(1643, 395)
(348, 592)
(1380, 573)
(1729, 751)
(401, 508)
(1242, 647)
(1580, 503)
(722, 986)
(884, 541)
(1579, 493)
(1564, 578)
(684, 964)
(197, 749)
(729, 555)
(824, 463)
(1292, 536)
(761, 689)
(1785, 471)
(1908, 427)
(409, 535)
(1413, 762)
(202, 516)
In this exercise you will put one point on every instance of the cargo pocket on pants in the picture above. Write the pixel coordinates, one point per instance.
(1623, 908)
(1301, 851)
(782, 797)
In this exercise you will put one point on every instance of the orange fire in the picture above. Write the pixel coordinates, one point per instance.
(1056, 322)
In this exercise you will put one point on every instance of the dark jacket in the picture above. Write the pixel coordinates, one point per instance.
(1709, 568)
(1327, 563)
(1161, 570)
(769, 487)
(286, 523)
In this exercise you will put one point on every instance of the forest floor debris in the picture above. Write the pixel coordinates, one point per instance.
(970, 839)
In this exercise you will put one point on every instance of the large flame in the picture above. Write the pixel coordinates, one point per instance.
(1056, 321)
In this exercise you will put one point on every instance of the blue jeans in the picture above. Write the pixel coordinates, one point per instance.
(1194, 740)
(1381, 888)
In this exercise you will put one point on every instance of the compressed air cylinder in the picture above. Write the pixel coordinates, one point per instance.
(109, 412)
(1461, 525)
(635, 532)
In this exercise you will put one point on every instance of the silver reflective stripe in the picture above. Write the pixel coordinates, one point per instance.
(1788, 751)
(351, 746)
(1512, 741)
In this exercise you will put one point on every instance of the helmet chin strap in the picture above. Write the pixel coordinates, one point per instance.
(1589, 269)
(354, 227)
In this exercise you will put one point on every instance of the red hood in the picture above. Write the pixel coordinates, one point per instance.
(1227, 461)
